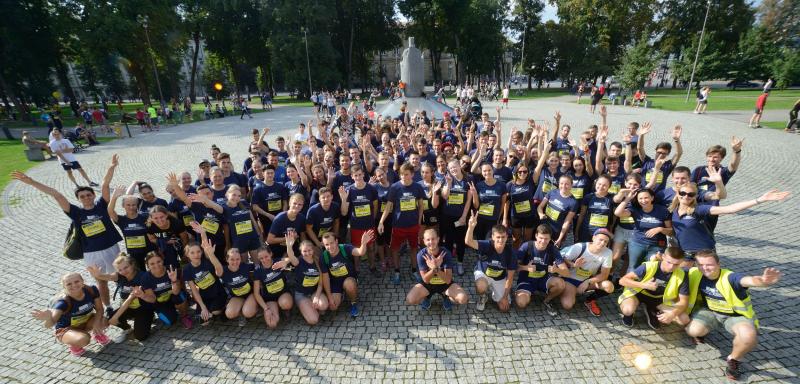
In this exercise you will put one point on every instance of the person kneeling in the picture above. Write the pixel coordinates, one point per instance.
(589, 267)
(494, 271)
(540, 263)
(338, 272)
(435, 265)
(75, 314)
(726, 303)
(662, 286)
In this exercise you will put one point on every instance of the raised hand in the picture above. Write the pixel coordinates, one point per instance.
(771, 276)
(280, 264)
(41, 315)
(714, 175)
(677, 130)
(197, 227)
(367, 237)
(118, 191)
(773, 195)
(114, 160)
(603, 111)
(430, 261)
(291, 237)
(343, 193)
(172, 273)
(94, 270)
(22, 177)
(645, 128)
(473, 220)
(557, 116)
(172, 178)
(207, 246)
(736, 144)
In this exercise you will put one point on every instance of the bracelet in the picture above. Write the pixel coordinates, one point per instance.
(737, 152)
(757, 202)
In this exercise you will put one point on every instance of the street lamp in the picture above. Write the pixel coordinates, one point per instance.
(308, 61)
(697, 55)
(218, 87)
(144, 21)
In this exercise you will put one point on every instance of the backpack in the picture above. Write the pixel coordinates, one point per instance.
(72, 248)
(326, 256)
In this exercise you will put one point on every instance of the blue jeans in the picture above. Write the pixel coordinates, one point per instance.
(638, 253)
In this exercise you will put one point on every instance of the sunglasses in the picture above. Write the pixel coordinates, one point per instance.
(522, 172)
(684, 194)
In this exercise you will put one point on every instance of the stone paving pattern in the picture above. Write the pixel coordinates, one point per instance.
(391, 342)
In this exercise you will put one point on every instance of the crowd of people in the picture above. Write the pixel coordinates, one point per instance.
(571, 218)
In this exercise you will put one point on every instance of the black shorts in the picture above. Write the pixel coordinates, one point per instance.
(436, 288)
(524, 222)
(649, 302)
(384, 238)
(215, 303)
(71, 166)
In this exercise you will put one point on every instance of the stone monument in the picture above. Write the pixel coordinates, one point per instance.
(412, 73)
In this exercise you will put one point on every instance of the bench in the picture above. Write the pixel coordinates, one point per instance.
(34, 154)
(648, 103)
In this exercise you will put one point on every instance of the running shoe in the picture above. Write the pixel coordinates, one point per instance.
(732, 370)
(101, 338)
(109, 312)
(447, 304)
(425, 304)
(482, 299)
(698, 340)
(396, 278)
(593, 308)
(652, 318)
(627, 321)
(122, 336)
(354, 310)
(551, 310)
(242, 321)
(76, 351)
(187, 322)
(460, 269)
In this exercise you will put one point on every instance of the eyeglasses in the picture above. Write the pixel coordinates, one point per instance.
(521, 172)
(689, 194)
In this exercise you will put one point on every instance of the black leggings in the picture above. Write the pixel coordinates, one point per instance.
(142, 321)
(453, 237)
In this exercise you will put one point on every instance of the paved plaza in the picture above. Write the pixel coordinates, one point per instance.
(391, 342)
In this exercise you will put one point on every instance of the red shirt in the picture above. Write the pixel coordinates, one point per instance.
(97, 115)
(762, 100)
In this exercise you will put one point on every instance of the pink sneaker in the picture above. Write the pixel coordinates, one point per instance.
(101, 338)
(186, 320)
(76, 351)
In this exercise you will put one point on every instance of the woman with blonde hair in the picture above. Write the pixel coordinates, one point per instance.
(74, 315)
(135, 307)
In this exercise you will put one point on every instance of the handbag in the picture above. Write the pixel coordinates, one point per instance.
(72, 244)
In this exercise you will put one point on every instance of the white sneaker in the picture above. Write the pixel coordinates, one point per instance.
(482, 299)
(122, 336)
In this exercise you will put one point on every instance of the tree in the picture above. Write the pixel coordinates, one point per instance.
(753, 58)
(786, 67)
(712, 62)
(637, 64)
(782, 20)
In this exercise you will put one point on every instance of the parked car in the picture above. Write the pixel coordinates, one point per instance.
(743, 84)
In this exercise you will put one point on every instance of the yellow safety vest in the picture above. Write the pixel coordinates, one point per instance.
(670, 291)
(732, 303)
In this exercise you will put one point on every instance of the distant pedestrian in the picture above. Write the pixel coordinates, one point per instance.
(768, 85)
(761, 102)
(702, 100)
(793, 122)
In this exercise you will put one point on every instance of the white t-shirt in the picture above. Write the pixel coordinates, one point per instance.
(593, 262)
(505, 93)
(61, 145)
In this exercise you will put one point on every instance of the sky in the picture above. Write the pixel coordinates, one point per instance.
(549, 12)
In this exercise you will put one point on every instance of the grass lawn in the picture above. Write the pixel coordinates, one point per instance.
(12, 157)
(114, 115)
(723, 100)
(774, 124)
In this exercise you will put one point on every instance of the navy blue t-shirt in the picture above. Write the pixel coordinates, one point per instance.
(405, 213)
(340, 180)
(239, 222)
(644, 221)
(382, 193)
(180, 209)
(521, 197)
(557, 209)
(548, 181)
(238, 283)
(161, 286)
(307, 277)
(79, 311)
(457, 197)
(648, 169)
(541, 259)
(292, 188)
(236, 179)
(599, 212)
(270, 197)
(211, 221)
(98, 232)
(503, 174)
(692, 231)
(339, 266)
(144, 206)
(447, 263)
(360, 209)
(203, 277)
(273, 282)
(492, 264)
(134, 232)
(282, 223)
(491, 198)
(322, 221)
(126, 287)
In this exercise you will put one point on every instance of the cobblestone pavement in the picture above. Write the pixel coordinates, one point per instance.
(391, 342)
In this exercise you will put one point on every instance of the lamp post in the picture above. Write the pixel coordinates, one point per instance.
(144, 20)
(308, 61)
(218, 87)
(697, 55)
